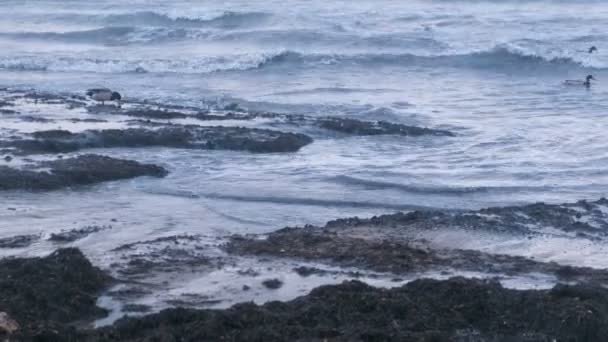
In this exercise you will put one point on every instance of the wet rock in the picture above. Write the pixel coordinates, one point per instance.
(129, 292)
(305, 271)
(193, 300)
(88, 120)
(138, 308)
(397, 257)
(272, 284)
(6, 104)
(233, 107)
(171, 240)
(81, 170)
(165, 260)
(51, 292)
(192, 137)
(53, 134)
(75, 234)
(164, 112)
(248, 272)
(358, 127)
(585, 217)
(155, 114)
(171, 254)
(19, 241)
(30, 118)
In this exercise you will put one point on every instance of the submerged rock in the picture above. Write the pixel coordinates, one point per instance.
(19, 241)
(75, 234)
(81, 170)
(193, 137)
(272, 284)
(358, 127)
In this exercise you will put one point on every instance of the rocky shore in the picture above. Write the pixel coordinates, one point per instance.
(422, 290)
(54, 299)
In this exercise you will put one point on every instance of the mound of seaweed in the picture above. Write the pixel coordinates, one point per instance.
(81, 170)
(424, 310)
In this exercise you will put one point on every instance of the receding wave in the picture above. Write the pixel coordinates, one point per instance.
(495, 59)
(311, 202)
(429, 190)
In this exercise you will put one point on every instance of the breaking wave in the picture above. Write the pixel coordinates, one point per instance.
(499, 58)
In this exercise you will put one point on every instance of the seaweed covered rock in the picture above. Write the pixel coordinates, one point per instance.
(81, 170)
(364, 250)
(53, 291)
(177, 136)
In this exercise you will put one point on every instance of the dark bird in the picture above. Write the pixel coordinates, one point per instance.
(104, 94)
(592, 49)
(586, 82)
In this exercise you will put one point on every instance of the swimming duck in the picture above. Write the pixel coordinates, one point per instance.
(104, 94)
(592, 49)
(586, 82)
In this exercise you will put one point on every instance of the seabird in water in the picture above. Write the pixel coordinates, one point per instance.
(586, 82)
(104, 94)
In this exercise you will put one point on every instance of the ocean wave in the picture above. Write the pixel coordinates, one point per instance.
(145, 27)
(226, 20)
(114, 35)
(499, 58)
(103, 35)
(97, 65)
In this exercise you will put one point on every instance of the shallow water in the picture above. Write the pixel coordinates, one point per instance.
(489, 71)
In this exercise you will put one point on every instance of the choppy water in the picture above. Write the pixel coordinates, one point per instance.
(490, 71)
